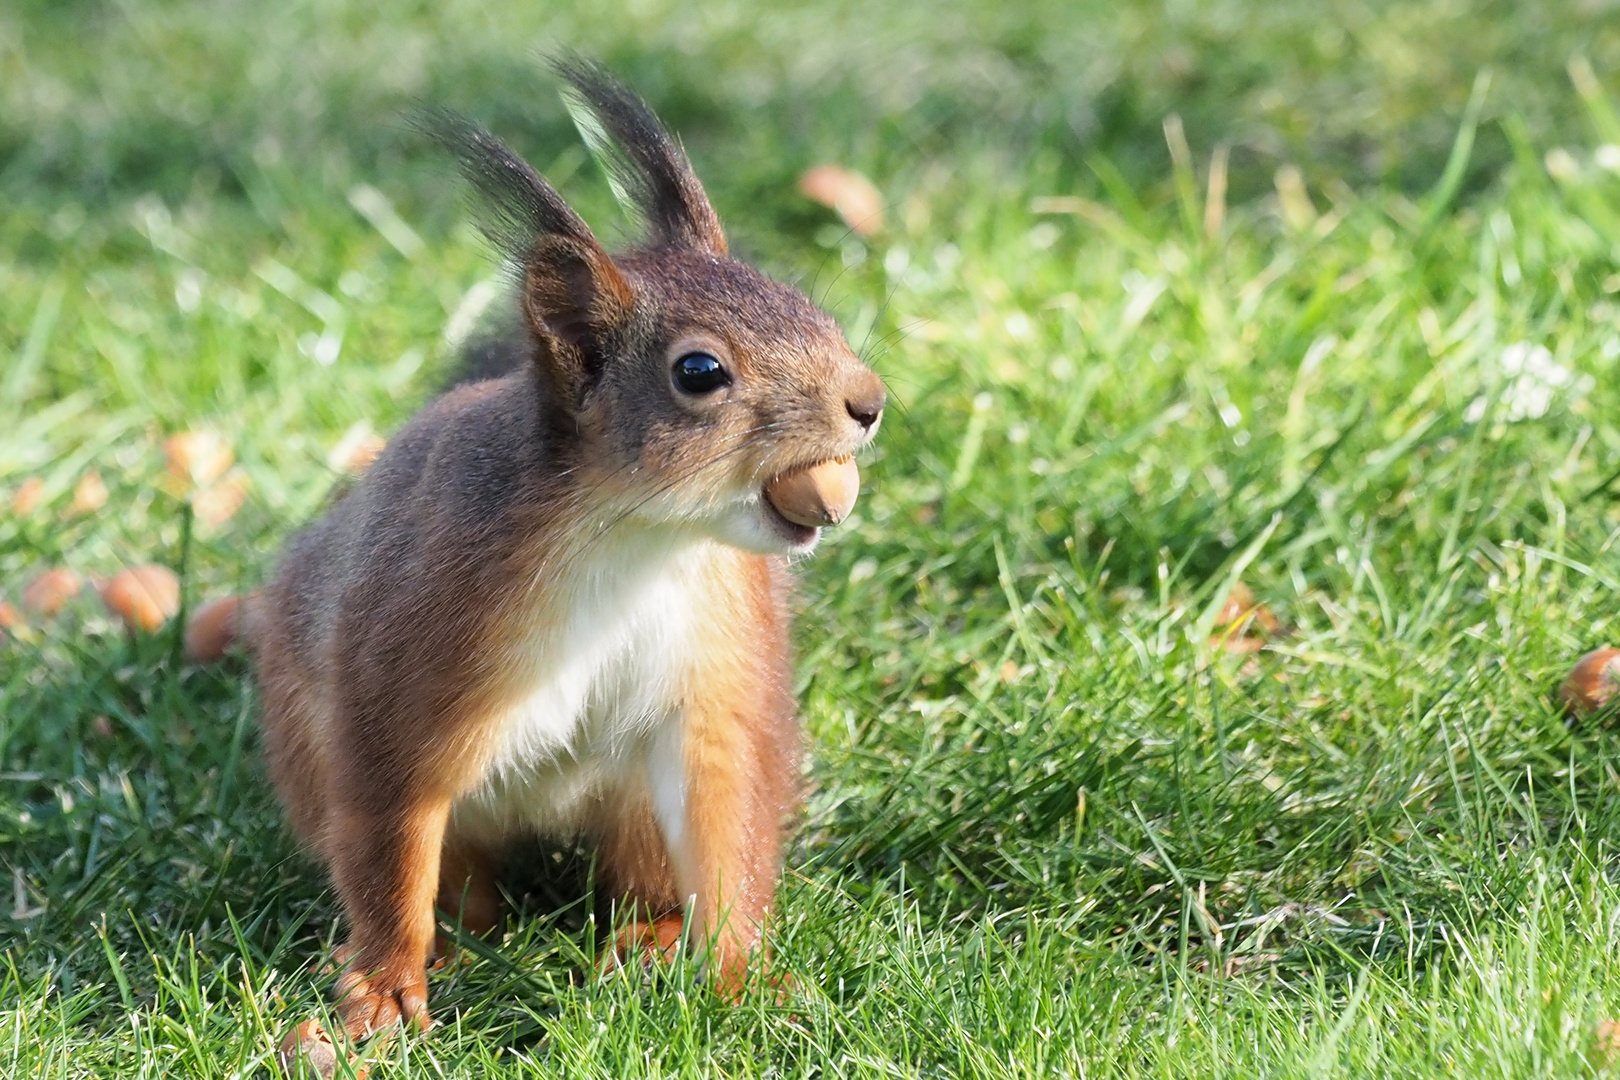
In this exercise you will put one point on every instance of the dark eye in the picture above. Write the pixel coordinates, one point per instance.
(700, 373)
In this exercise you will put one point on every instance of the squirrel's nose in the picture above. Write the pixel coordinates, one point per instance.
(865, 404)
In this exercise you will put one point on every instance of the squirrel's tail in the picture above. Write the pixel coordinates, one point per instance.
(491, 355)
(218, 625)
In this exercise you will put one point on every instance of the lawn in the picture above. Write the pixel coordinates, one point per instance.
(1169, 298)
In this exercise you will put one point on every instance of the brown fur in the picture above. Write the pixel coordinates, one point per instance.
(397, 647)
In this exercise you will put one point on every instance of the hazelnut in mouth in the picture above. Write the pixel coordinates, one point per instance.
(822, 494)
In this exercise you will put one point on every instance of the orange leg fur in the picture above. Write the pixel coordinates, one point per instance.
(643, 942)
(634, 864)
(739, 764)
(737, 758)
(385, 860)
(467, 893)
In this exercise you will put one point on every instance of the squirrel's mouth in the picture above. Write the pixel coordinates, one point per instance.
(816, 495)
(802, 501)
(799, 538)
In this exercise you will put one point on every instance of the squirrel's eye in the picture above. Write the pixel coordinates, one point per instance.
(700, 373)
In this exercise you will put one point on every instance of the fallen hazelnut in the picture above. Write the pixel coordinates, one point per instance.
(307, 1050)
(28, 496)
(211, 631)
(359, 447)
(46, 594)
(143, 596)
(1607, 1037)
(856, 198)
(1239, 600)
(1592, 684)
(218, 502)
(90, 494)
(823, 494)
(366, 453)
(1241, 604)
(198, 456)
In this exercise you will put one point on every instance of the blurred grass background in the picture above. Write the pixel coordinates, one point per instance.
(101, 98)
(1051, 828)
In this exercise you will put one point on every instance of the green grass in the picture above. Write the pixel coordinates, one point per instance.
(1049, 829)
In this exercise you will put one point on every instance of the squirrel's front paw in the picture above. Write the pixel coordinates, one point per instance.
(641, 944)
(391, 995)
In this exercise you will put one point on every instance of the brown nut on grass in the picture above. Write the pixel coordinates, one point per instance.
(307, 1051)
(90, 494)
(215, 504)
(211, 631)
(200, 457)
(143, 596)
(856, 199)
(46, 594)
(1606, 1036)
(823, 494)
(1241, 604)
(355, 452)
(28, 496)
(1243, 622)
(1593, 683)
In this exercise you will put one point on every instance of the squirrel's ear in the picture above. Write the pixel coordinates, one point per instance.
(648, 169)
(574, 296)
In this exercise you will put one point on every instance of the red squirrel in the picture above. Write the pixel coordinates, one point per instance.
(557, 603)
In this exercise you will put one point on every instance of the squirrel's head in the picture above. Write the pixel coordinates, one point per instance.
(690, 383)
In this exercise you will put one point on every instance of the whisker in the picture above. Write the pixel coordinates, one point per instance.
(884, 343)
(877, 318)
(666, 486)
(837, 247)
(898, 401)
(842, 270)
(633, 462)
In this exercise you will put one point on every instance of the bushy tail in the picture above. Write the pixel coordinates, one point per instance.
(499, 350)
(218, 625)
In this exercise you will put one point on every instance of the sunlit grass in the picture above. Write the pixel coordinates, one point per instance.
(1059, 820)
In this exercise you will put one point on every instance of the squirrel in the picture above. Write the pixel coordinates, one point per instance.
(557, 604)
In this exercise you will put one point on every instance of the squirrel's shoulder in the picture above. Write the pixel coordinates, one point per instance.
(462, 462)
(471, 427)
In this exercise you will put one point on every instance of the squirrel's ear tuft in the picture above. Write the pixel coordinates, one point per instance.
(646, 166)
(515, 206)
(574, 297)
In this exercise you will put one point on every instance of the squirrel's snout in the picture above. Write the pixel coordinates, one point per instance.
(865, 401)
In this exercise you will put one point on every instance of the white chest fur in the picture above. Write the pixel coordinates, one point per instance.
(598, 668)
